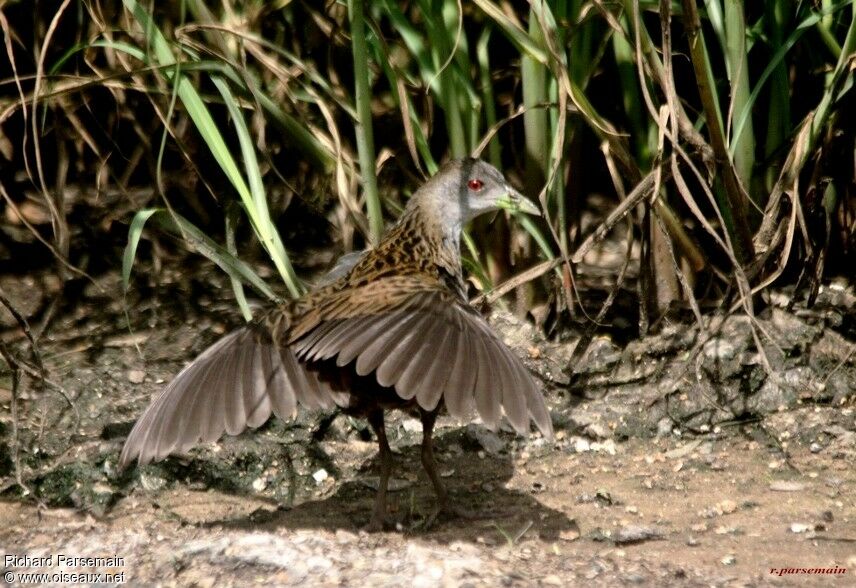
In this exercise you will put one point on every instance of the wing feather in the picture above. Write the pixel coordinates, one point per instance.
(513, 392)
(423, 359)
(369, 359)
(258, 387)
(308, 344)
(488, 382)
(404, 352)
(458, 397)
(285, 400)
(367, 335)
(236, 417)
(236, 383)
(434, 383)
(336, 338)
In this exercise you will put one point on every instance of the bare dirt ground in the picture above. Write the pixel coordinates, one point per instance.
(678, 461)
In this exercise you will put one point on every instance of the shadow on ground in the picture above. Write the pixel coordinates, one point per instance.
(477, 482)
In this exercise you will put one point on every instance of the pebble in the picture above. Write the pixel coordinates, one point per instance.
(607, 446)
(487, 439)
(683, 450)
(787, 486)
(412, 425)
(727, 506)
(136, 376)
(571, 534)
(343, 536)
(151, 483)
(597, 431)
(320, 475)
(637, 533)
(721, 508)
(581, 445)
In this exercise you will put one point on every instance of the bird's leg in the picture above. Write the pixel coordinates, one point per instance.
(444, 504)
(379, 517)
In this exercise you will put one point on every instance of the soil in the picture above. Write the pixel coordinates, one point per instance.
(678, 461)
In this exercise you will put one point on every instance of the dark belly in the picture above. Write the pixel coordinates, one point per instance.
(365, 393)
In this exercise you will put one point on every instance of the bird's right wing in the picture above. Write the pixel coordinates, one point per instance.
(236, 383)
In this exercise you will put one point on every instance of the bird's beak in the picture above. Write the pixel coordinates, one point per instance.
(514, 201)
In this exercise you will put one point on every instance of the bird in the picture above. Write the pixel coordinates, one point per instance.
(392, 328)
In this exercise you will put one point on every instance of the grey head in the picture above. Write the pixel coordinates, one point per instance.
(460, 191)
(464, 189)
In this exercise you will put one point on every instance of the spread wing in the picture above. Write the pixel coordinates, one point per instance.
(415, 337)
(429, 346)
(236, 383)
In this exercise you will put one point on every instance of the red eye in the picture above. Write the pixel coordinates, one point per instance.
(475, 185)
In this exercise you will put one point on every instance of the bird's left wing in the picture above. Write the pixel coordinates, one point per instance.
(236, 383)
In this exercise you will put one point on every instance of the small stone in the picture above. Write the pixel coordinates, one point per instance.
(320, 475)
(637, 533)
(581, 445)
(487, 439)
(787, 486)
(151, 483)
(596, 431)
(664, 427)
(683, 450)
(801, 528)
(136, 376)
(727, 506)
(259, 484)
(343, 536)
(571, 534)
(607, 446)
(729, 560)
(815, 448)
(412, 425)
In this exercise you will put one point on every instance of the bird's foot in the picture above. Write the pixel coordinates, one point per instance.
(447, 509)
(379, 523)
